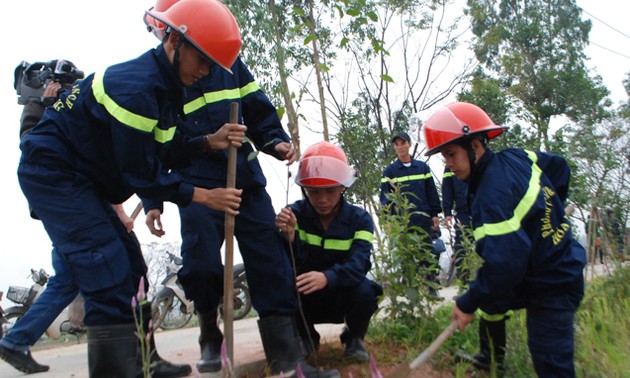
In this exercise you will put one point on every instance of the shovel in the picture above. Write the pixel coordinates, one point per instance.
(228, 281)
(403, 370)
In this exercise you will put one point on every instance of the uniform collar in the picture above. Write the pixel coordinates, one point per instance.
(177, 89)
(480, 168)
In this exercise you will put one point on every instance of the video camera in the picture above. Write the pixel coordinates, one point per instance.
(31, 79)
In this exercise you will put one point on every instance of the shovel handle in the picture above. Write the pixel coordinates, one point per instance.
(435, 345)
(228, 279)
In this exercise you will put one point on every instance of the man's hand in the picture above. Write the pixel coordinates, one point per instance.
(51, 89)
(286, 151)
(154, 222)
(311, 282)
(286, 221)
(227, 200)
(462, 318)
(229, 134)
(124, 218)
(448, 221)
(436, 223)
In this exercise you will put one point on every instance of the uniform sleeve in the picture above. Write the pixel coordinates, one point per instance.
(447, 192)
(557, 170)
(505, 256)
(260, 116)
(138, 148)
(351, 272)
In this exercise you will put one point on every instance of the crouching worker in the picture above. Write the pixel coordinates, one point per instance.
(332, 244)
(531, 259)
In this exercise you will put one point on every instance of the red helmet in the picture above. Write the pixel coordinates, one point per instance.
(456, 121)
(324, 165)
(206, 24)
(153, 25)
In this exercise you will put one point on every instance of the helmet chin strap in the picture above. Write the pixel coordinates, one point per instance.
(180, 42)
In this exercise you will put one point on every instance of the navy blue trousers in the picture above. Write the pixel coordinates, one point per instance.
(269, 273)
(92, 249)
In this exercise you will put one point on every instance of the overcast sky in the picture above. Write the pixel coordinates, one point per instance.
(95, 35)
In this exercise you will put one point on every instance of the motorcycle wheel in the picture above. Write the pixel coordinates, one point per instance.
(242, 302)
(168, 312)
(12, 315)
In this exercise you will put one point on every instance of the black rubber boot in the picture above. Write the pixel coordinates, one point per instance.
(281, 343)
(112, 351)
(210, 339)
(491, 346)
(22, 361)
(158, 367)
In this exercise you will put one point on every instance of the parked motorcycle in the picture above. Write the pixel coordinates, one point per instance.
(23, 297)
(69, 321)
(171, 309)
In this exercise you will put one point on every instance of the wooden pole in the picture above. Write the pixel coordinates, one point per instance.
(228, 279)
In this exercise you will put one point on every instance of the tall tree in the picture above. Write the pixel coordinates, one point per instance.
(536, 49)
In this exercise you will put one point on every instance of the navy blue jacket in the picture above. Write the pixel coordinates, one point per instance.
(118, 128)
(418, 187)
(521, 231)
(207, 108)
(342, 251)
(454, 195)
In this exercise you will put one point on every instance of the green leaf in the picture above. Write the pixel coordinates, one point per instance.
(309, 38)
(354, 12)
(344, 42)
(252, 155)
(387, 78)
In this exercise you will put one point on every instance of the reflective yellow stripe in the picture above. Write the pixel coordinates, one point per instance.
(226, 94)
(364, 235)
(164, 136)
(407, 178)
(334, 244)
(121, 114)
(523, 207)
(494, 317)
(309, 238)
(447, 174)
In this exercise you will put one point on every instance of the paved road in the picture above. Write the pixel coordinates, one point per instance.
(70, 360)
(180, 346)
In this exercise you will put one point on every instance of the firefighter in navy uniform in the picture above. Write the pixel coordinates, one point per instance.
(417, 185)
(269, 273)
(60, 289)
(332, 243)
(531, 259)
(111, 135)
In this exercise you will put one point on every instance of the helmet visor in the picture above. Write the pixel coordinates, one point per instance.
(324, 172)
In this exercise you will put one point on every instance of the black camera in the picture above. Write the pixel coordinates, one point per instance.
(31, 79)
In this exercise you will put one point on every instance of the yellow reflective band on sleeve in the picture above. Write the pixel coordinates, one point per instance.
(513, 224)
(121, 114)
(494, 317)
(226, 94)
(334, 244)
(364, 235)
(164, 136)
(447, 174)
(407, 178)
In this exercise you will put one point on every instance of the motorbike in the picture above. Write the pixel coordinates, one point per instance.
(23, 297)
(171, 309)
